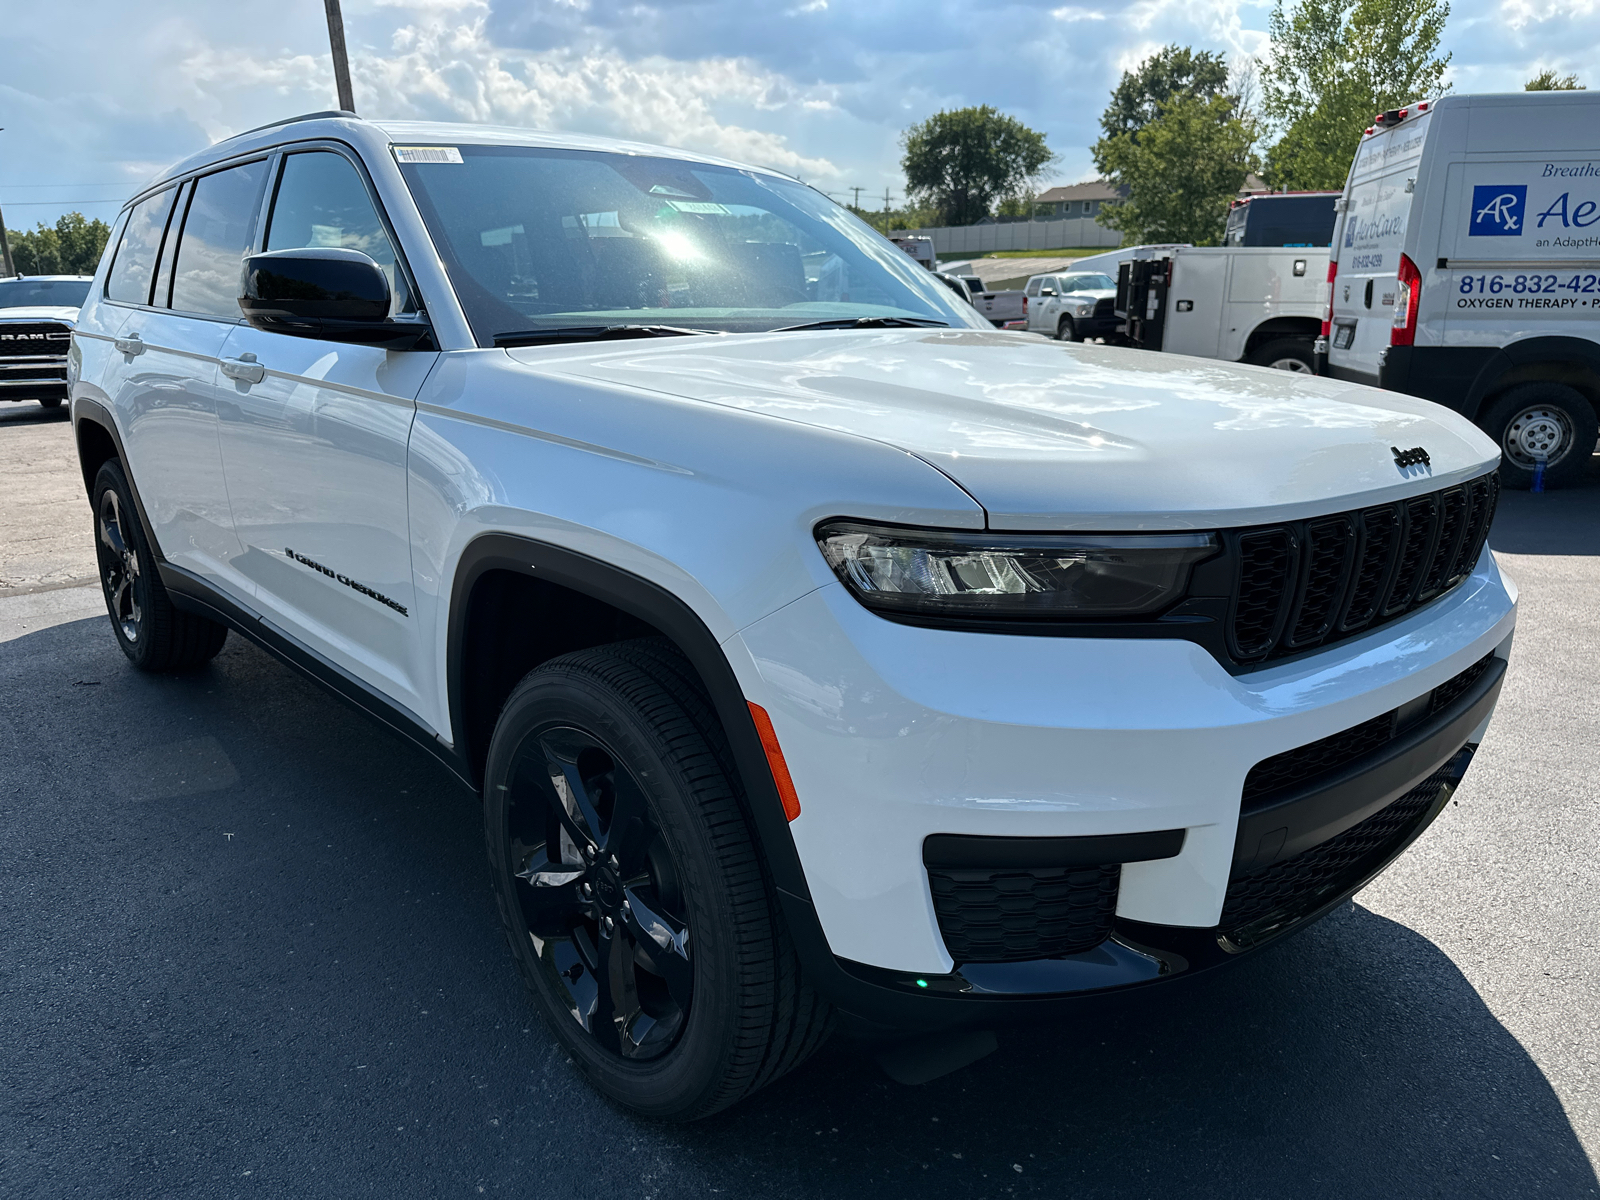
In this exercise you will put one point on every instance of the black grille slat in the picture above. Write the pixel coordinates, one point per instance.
(1452, 525)
(1416, 544)
(1019, 914)
(1380, 532)
(1106, 307)
(1266, 562)
(1485, 494)
(1329, 545)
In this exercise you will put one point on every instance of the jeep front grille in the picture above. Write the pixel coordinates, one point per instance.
(1306, 584)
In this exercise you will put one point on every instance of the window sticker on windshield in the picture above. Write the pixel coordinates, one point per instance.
(698, 206)
(427, 154)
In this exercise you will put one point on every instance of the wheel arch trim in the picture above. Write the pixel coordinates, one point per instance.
(665, 611)
(92, 412)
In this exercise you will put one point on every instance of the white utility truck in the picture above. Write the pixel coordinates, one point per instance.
(1467, 269)
(1260, 305)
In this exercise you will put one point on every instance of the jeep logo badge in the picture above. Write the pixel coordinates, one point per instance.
(1414, 457)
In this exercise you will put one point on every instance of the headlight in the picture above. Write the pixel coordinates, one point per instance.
(1032, 577)
(1086, 310)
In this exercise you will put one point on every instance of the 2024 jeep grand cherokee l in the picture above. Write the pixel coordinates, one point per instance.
(817, 650)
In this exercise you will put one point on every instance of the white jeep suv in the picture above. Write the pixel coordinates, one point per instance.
(819, 652)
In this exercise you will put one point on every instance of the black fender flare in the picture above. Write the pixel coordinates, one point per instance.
(92, 412)
(656, 606)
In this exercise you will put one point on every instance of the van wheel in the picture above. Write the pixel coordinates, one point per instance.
(1286, 354)
(1542, 419)
(153, 634)
(630, 888)
(50, 402)
(1067, 330)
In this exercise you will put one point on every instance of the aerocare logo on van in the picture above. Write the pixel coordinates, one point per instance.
(1497, 209)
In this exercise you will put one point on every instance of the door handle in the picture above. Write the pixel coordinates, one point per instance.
(131, 345)
(245, 369)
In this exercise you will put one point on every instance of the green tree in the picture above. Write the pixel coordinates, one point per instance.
(1171, 71)
(1548, 81)
(961, 162)
(1181, 171)
(71, 248)
(1333, 64)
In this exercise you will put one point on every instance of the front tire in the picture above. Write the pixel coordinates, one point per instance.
(1067, 330)
(1287, 354)
(1548, 419)
(631, 890)
(152, 633)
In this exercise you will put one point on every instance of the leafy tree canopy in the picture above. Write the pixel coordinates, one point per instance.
(961, 162)
(1333, 64)
(1172, 71)
(1548, 81)
(1181, 172)
(71, 248)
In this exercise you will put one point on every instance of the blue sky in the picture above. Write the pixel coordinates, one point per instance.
(96, 96)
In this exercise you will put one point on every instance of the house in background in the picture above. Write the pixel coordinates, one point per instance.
(1085, 199)
(1075, 200)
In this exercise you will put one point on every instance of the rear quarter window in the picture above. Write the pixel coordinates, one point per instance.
(133, 268)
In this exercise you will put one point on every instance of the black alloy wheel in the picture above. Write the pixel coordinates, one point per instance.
(631, 890)
(154, 634)
(119, 568)
(599, 892)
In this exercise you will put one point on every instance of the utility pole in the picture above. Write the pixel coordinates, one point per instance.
(5, 242)
(858, 192)
(341, 61)
(886, 204)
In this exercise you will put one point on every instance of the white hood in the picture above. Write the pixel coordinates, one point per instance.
(1049, 435)
(40, 312)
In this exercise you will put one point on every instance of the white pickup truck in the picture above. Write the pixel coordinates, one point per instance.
(1244, 304)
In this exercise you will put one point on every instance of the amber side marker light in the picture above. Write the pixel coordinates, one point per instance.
(780, 769)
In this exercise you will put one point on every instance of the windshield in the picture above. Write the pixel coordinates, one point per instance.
(57, 293)
(545, 239)
(1088, 283)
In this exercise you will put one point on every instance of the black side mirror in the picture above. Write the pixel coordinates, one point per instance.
(322, 292)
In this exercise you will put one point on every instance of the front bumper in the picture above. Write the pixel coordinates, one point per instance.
(896, 733)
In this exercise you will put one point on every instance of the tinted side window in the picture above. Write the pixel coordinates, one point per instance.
(1033, 286)
(135, 263)
(216, 235)
(169, 247)
(322, 201)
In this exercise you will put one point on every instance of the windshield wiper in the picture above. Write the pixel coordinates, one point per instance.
(592, 333)
(865, 323)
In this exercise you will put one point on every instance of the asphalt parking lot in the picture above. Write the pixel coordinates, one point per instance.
(248, 947)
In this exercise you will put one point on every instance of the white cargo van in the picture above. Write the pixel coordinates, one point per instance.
(1260, 305)
(1467, 269)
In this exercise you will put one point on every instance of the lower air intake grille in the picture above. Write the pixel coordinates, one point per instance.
(1017, 914)
(1262, 903)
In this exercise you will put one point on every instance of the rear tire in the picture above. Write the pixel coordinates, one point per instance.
(1286, 354)
(631, 890)
(152, 633)
(1547, 418)
(50, 402)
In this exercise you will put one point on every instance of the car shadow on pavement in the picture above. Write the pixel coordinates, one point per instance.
(26, 412)
(250, 944)
(1563, 521)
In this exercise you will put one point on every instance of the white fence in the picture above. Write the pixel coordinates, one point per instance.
(1017, 235)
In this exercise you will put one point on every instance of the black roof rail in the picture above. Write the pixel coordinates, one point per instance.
(313, 116)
